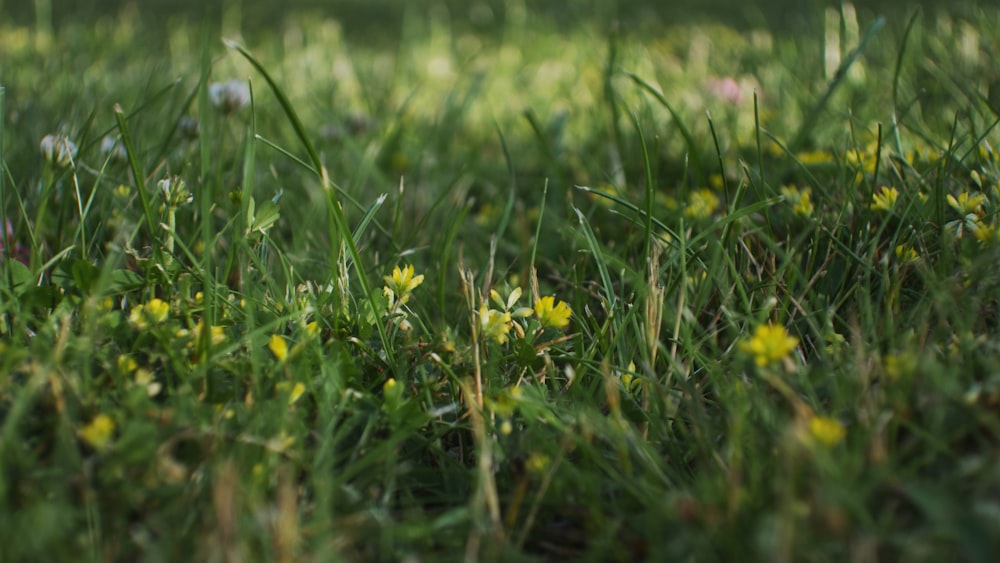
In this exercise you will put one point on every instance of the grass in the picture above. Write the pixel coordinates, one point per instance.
(710, 295)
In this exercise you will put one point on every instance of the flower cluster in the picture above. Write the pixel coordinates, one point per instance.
(496, 323)
(799, 199)
(398, 289)
(769, 344)
(58, 150)
(229, 97)
(884, 200)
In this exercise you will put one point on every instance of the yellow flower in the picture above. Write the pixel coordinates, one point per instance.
(769, 344)
(278, 347)
(550, 314)
(99, 432)
(815, 157)
(799, 200)
(127, 364)
(297, 390)
(988, 234)
(312, 329)
(144, 378)
(701, 204)
(885, 200)
(966, 204)
(218, 333)
(155, 311)
(826, 431)
(906, 254)
(493, 324)
(402, 283)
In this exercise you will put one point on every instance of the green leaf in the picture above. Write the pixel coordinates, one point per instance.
(19, 276)
(266, 216)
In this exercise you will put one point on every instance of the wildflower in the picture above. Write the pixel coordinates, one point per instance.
(229, 97)
(815, 157)
(153, 312)
(127, 364)
(966, 204)
(392, 392)
(864, 160)
(885, 200)
(217, 333)
(144, 378)
(99, 432)
(537, 462)
(701, 204)
(400, 285)
(550, 314)
(295, 391)
(58, 150)
(312, 328)
(189, 128)
(494, 324)
(826, 431)
(726, 88)
(906, 254)
(511, 300)
(112, 149)
(175, 192)
(278, 346)
(799, 200)
(988, 234)
(769, 344)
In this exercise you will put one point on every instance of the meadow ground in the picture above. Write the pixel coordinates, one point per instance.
(535, 293)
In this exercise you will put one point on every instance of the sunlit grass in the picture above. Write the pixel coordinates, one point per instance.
(537, 294)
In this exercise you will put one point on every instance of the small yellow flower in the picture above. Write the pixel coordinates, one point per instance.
(799, 200)
(863, 160)
(403, 281)
(906, 254)
(885, 200)
(769, 344)
(552, 315)
(815, 157)
(537, 462)
(988, 234)
(297, 391)
(494, 324)
(99, 432)
(144, 378)
(218, 333)
(278, 346)
(127, 364)
(157, 310)
(967, 204)
(151, 313)
(826, 431)
(701, 204)
(312, 329)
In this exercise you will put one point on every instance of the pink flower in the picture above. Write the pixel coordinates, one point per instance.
(20, 252)
(726, 88)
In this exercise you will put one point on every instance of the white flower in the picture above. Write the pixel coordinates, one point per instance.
(112, 148)
(58, 150)
(229, 97)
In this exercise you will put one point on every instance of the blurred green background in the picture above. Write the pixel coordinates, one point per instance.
(381, 20)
